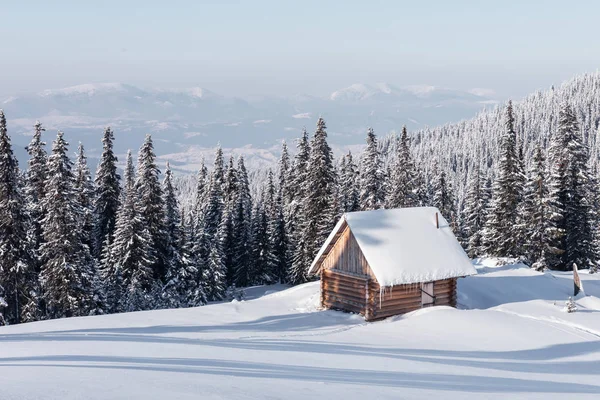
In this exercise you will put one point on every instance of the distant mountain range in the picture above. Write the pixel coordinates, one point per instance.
(187, 124)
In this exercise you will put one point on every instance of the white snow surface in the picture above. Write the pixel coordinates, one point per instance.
(404, 246)
(508, 339)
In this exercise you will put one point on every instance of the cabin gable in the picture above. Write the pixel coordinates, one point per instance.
(346, 255)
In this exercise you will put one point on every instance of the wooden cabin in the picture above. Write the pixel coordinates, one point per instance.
(387, 262)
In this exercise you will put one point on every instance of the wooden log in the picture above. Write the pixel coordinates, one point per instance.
(346, 284)
(349, 289)
(386, 306)
(344, 300)
(343, 306)
(347, 275)
(353, 299)
(389, 313)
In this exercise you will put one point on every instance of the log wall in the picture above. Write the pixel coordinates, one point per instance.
(344, 291)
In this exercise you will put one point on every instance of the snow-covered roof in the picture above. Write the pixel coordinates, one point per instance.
(404, 245)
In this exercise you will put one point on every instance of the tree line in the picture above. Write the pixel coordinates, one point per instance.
(74, 245)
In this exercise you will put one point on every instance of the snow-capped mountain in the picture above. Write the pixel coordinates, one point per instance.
(192, 120)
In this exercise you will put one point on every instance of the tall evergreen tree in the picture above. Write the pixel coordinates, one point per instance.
(151, 206)
(128, 274)
(443, 198)
(18, 279)
(572, 192)
(402, 190)
(106, 200)
(501, 227)
(541, 216)
(284, 170)
(67, 271)
(215, 272)
(241, 221)
(35, 183)
(474, 214)
(349, 190)
(318, 209)
(371, 184)
(84, 189)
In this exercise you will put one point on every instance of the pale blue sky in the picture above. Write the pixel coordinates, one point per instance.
(286, 47)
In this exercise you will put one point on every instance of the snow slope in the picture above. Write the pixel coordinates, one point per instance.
(513, 342)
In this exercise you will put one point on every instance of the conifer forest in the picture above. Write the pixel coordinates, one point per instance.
(518, 180)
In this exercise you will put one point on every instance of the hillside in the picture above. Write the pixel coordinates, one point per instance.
(279, 345)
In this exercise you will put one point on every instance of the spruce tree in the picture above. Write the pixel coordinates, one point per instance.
(67, 271)
(151, 205)
(317, 209)
(371, 183)
(18, 279)
(474, 214)
(501, 226)
(215, 272)
(402, 177)
(35, 183)
(572, 193)
(541, 215)
(443, 198)
(106, 200)
(241, 220)
(129, 275)
(230, 189)
(84, 189)
(284, 170)
(349, 190)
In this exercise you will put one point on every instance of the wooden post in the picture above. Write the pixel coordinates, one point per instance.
(367, 305)
(437, 221)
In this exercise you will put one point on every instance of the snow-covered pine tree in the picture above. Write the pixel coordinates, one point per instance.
(106, 200)
(275, 230)
(18, 278)
(84, 189)
(263, 262)
(443, 197)
(279, 240)
(349, 190)
(129, 267)
(297, 175)
(242, 217)
(295, 220)
(215, 272)
(199, 198)
(35, 183)
(190, 279)
(537, 213)
(402, 177)
(372, 194)
(66, 275)
(569, 160)
(212, 211)
(172, 294)
(318, 205)
(230, 189)
(474, 213)
(283, 172)
(151, 205)
(501, 226)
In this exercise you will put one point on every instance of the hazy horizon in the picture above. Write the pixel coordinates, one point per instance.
(239, 48)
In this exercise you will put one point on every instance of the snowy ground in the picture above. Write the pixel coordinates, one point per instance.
(513, 341)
